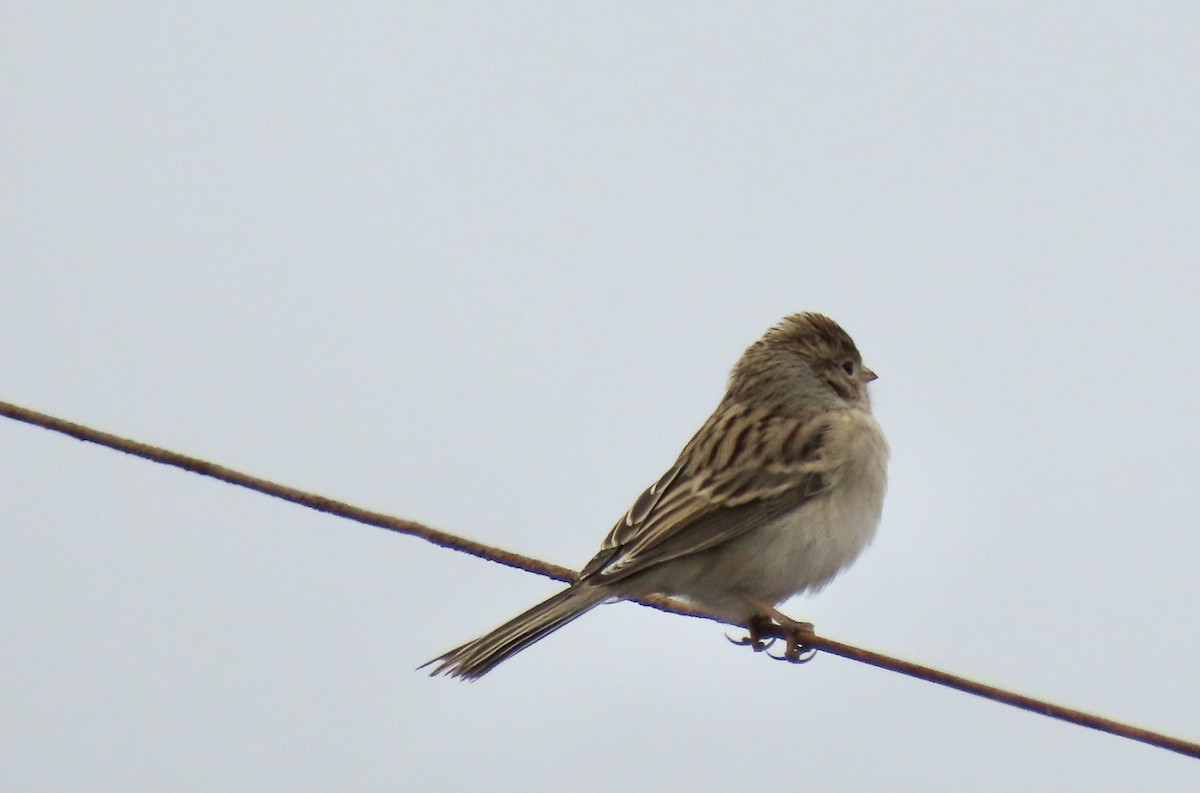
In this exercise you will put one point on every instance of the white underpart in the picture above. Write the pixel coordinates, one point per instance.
(803, 550)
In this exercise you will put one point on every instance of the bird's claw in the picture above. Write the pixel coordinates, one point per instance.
(755, 642)
(797, 651)
(796, 654)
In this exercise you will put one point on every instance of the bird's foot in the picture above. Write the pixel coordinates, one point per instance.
(799, 648)
(755, 628)
(772, 624)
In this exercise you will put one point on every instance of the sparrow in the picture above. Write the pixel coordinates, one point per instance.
(779, 491)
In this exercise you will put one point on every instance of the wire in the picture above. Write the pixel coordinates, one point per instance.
(559, 573)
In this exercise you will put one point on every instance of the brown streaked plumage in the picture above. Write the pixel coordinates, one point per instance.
(779, 490)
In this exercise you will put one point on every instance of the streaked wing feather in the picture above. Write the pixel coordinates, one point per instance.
(709, 527)
(718, 489)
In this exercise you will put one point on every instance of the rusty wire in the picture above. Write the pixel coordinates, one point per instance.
(560, 573)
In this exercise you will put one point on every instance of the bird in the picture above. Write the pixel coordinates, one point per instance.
(780, 490)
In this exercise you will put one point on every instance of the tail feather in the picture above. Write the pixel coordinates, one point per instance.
(478, 657)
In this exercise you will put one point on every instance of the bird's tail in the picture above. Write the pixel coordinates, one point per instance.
(476, 658)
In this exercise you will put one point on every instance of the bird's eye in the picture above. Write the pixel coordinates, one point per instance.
(848, 367)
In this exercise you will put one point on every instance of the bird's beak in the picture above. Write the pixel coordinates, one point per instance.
(867, 375)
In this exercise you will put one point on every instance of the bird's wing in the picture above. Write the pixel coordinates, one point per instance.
(742, 469)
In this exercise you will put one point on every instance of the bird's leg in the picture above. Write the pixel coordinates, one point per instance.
(796, 632)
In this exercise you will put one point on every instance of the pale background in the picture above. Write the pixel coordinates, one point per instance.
(488, 268)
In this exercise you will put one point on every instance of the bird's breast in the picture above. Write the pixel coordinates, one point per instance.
(805, 549)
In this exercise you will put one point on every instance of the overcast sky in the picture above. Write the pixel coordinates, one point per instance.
(488, 268)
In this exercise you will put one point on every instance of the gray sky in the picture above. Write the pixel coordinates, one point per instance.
(489, 269)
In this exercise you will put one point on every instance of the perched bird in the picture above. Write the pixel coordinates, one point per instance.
(779, 491)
